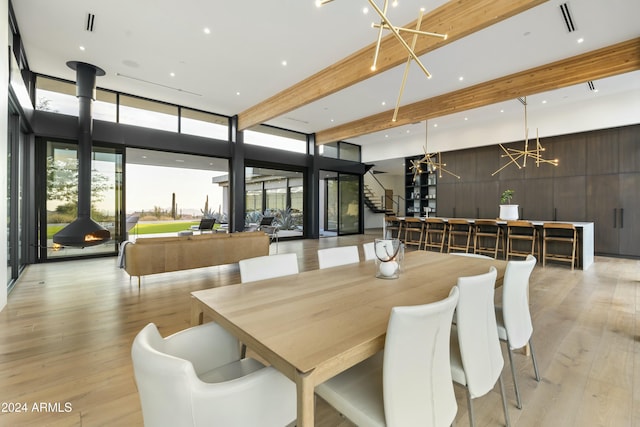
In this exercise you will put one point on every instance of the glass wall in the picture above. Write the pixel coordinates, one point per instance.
(349, 203)
(277, 193)
(340, 204)
(171, 192)
(340, 150)
(209, 125)
(151, 114)
(61, 205)
(266, 136)
(56, 96)
(59, 96)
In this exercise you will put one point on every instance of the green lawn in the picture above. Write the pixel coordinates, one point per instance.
(142, 228)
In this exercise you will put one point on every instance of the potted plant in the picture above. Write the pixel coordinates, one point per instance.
(507, 210)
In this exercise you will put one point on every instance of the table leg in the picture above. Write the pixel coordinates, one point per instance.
(197, 315)
(305, 389)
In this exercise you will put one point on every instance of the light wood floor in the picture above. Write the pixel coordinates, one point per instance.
(66, 333)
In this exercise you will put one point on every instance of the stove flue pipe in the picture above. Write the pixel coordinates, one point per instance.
(84, 231)
(86, 93)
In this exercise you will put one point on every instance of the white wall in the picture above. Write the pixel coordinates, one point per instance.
(4, 94)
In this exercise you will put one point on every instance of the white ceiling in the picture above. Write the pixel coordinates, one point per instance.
(239, 64)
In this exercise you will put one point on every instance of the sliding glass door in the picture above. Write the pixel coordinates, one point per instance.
(61, 197)
(341, 204)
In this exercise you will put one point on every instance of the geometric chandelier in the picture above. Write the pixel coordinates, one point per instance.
(432, 161)
(385, 24)
(515, 155)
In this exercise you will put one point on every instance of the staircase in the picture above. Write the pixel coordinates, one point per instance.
(374, 202)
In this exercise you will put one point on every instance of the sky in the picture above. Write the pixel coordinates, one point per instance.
(150, 186)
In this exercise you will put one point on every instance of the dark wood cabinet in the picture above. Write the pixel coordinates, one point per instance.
(538, 199)
(597, 180)
(629, 214)
(446, 200)
(570, 199)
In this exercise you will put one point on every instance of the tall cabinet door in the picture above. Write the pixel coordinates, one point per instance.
(629, 214)
(603, 210)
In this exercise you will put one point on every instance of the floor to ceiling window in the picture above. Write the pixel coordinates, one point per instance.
(171, 192)
(340, 204)
(277, 193)
(61, 197)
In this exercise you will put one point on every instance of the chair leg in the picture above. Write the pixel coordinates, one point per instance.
(504, 403)
(243, 351)
(472, 421)
(533, 358)
(515, 380)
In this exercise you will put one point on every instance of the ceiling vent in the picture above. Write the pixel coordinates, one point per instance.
(90, 20)
(568, 20)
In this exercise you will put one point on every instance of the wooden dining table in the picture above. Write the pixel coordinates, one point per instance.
(315, 324)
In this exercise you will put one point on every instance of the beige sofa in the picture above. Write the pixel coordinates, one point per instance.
(163, 254)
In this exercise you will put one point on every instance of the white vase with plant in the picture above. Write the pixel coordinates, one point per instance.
(508, 211)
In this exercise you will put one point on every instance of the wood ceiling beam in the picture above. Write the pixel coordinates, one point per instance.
(457, 19)
(598, 64)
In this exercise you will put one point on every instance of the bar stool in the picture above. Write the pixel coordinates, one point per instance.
(393, 227)
(488, 237)
(460, 231)
(413, 231)
(435, 233)
(562, 234)
(521, 231)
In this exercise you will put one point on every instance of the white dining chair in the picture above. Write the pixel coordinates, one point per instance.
(369, 251)
(513, 317)
(407, 384)
(268, 267)
(333, 257)
(470, 255)
(476, 357)
(196, 378)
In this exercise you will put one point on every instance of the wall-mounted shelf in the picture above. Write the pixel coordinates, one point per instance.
(420, 195)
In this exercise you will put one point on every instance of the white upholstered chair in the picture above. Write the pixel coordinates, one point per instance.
(196, 378)
(476, 357)
(268, 267)
(369, 251)
(513, 317)
(333, 257)
(470, 255)
(407, 384)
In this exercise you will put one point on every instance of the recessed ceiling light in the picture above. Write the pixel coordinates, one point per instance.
(365, 10)
(461, 78)
(284, 63)
(384, 103)
(502, 111)
(544, 101)
(82, 48)
(435, 125)
(580, 40)
(172, 74)
(395, 3)
(332, 120)
(238, 93)
(206, 30)
(408, 131)
(386, 135)
(466, 118)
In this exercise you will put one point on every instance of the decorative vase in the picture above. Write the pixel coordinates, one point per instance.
(389, 256)
(509, 212)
